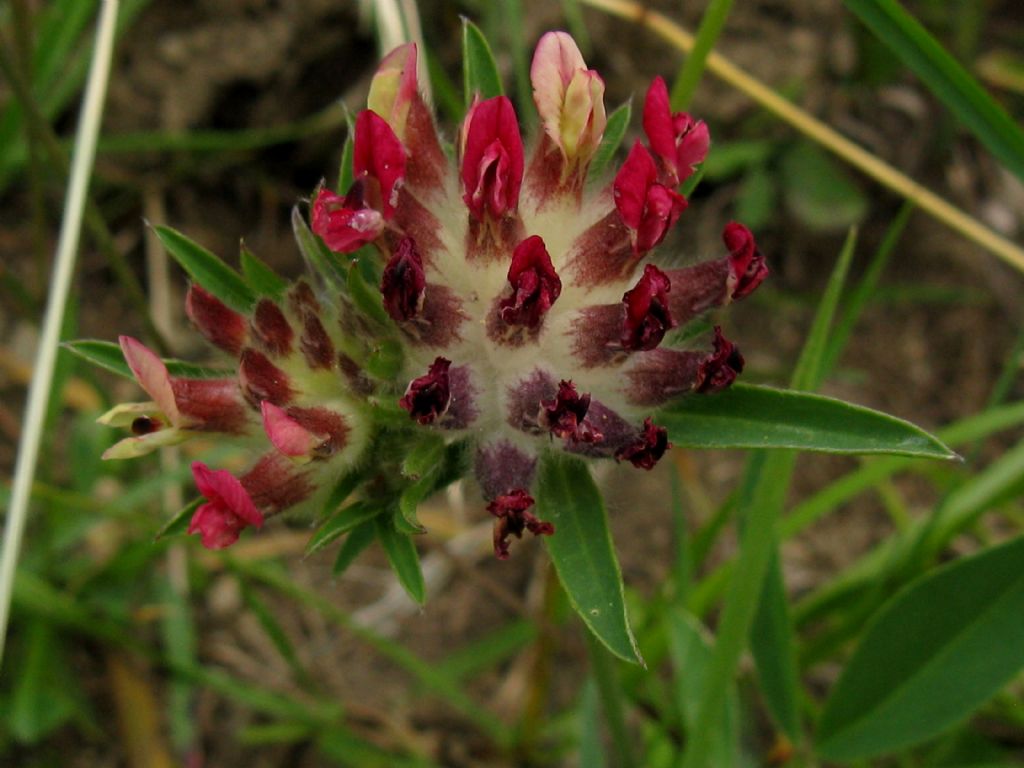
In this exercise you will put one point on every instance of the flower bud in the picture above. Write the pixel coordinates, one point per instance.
(679, 141)
(569, 98)
(492, 158)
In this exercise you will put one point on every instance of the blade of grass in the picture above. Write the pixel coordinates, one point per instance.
(94, 221)
(864, 290)
(946, 78)
(39, 392)
(602, 665)
(711, 24)
(765, 486)
(867, 163)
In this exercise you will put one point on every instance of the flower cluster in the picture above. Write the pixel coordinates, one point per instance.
(518, 308)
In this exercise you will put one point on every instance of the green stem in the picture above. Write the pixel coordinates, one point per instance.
(64, 266)
(740, 606)
(693, 68)
(602, 665)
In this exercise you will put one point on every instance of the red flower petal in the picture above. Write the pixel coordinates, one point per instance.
(345, 224)
(379, 154)
(535, 284)
(227, 511)
(747, 261)
(647, 313)
(492, 158)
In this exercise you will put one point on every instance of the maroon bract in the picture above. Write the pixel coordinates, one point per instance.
(403, 282)
(511, 509)
(428, 397)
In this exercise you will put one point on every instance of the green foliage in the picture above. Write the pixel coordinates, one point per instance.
(582, 551)
(934, 653)
(207, 270)
(948, 80)
(749, 416)
(480, 76)
(614, 133)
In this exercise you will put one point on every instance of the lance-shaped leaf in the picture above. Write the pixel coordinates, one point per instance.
(614, 132)
(340, 523)
(404, 559)
(747, 416)
(936, 652)
(207, 269)
(260, 276)
(480, 73)
(107, 355)
(581, 550)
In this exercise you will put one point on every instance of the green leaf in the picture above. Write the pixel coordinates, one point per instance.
(207, 270)
(937, 651)
(340, 523)
(479, 72)
(425, 456)
(614, 133)
(404, 558)
(317, 255)
(346, 174)
(747, 416)
(367, 298)
(103, 354)
(756, 199)
(949, 81)
(260, 276)
(360, 538)
(46, 694)
(727, 160)
(581, 550)
(818, 191)
(178, 524)
(690, 649)
(773, 644)
(108, 355)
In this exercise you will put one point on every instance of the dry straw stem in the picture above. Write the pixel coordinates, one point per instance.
(818, 131)
(64, 267)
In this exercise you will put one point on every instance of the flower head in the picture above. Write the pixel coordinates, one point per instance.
(503, 302)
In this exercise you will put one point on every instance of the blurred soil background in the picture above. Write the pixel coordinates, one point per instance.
(929, 348)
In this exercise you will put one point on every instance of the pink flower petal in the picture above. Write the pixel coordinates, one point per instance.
(287, 435)
(379, 154)
(394, 86)
(152, 375)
